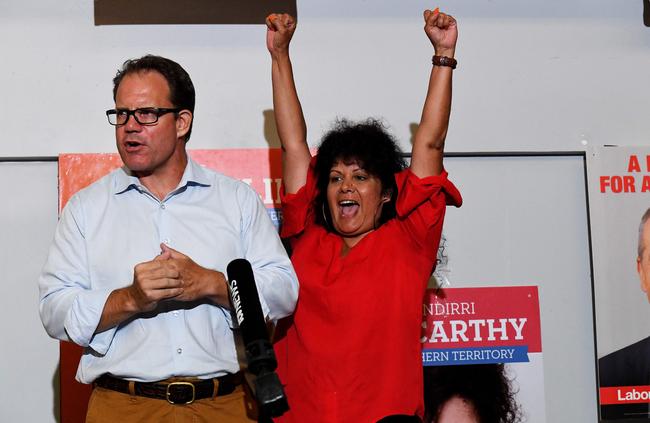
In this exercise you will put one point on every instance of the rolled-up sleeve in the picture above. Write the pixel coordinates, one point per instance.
(296, 206)
(69, 309)
(277, 284)
(421, 207)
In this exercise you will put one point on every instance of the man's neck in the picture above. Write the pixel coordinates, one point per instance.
(163, 181)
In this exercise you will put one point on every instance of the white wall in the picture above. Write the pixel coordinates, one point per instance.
(28, 358)
(535, 75)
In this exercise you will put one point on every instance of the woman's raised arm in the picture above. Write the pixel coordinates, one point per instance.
(429, 143)
(288, 112)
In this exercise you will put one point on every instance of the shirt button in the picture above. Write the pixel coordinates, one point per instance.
(166, 241)
(180, 350)
(162, 206)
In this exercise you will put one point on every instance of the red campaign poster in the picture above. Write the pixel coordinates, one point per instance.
(471, 332)
(260, 168)
(619, 208)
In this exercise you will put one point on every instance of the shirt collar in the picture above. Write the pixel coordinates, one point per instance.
(193, 175)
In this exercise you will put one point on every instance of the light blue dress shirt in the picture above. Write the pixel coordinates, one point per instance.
(114, 224)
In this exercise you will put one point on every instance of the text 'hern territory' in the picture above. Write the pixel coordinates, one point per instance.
(466, 330)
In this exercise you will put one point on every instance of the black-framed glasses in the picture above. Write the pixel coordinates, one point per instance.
(144, 115)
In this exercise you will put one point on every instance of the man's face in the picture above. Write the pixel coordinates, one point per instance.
(149, 149)
(643, 262)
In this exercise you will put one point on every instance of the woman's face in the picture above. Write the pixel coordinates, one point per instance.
(458, 410)
(355, 201)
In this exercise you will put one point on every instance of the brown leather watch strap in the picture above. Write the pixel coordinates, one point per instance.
(444, 61)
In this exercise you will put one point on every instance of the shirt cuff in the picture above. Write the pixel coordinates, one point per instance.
(227, 314)
(83, 319)
(414, 190)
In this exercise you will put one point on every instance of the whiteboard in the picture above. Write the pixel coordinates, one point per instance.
(524, 222)
(29, 358)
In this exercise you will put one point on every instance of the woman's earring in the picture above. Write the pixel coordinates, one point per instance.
(327, 224)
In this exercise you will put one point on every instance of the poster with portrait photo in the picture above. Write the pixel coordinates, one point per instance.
(483, 345)
(619, 196)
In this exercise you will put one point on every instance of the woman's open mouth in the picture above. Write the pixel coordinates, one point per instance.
(348, 208)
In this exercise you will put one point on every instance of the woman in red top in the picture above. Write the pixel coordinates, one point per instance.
(364, 232)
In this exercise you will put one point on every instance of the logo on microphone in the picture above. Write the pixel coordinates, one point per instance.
(236, 302)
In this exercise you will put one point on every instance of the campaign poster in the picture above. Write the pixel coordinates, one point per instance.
(485, 342)
(619, 197)
(259, 168)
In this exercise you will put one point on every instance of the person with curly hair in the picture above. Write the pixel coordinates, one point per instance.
(364, 230)
(479, 393)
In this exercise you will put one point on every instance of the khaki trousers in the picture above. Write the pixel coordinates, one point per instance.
(106, 406)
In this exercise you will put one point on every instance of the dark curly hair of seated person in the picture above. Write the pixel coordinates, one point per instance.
(372, 148)
(485, 386)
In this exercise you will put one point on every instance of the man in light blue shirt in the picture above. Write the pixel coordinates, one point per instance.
(135, 274)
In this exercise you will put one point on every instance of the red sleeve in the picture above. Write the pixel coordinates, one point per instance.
(296, 208)
(421, 204)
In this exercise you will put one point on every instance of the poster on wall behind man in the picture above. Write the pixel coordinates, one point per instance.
(484, 345)
(619, 200)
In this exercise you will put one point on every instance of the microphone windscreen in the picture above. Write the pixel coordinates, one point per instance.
(245, 301)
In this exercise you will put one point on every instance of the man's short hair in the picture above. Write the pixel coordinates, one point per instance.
(641, 245)
(181, 89)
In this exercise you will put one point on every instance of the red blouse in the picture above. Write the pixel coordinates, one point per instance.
(352, 352)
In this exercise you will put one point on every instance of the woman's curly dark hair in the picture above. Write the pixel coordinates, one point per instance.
(485, 386)
(369, 145)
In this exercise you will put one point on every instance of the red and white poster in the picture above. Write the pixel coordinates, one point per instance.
(619, 202)
(260, 168)
(486, 342)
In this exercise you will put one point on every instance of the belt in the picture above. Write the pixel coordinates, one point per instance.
(174, 391)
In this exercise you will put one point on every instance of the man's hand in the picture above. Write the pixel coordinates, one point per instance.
(442, 32)
(197, 282)
(154, 281)
(170, 276)
(280, 29)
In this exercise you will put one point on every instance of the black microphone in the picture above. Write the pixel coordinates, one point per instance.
(259, 352)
